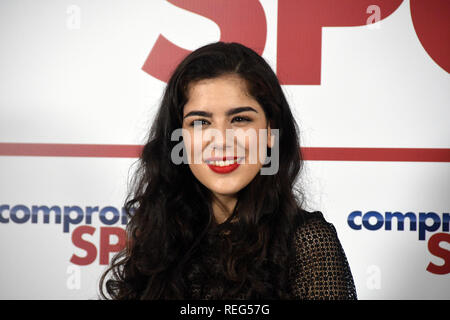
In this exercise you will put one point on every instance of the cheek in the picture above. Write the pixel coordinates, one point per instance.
(194, 146)
(199, 171)
(254, 141)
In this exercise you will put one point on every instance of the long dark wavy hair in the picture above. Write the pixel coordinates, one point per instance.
(171, 241)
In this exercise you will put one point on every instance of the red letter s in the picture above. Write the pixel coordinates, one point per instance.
(239, 21)
(90, 248)
(433, 247)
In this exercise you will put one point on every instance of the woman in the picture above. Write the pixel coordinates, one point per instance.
(218, 228)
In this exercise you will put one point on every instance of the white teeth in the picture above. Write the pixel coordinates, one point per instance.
(222, 163)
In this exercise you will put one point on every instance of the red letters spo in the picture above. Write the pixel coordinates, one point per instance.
(299, 31)
(91, 250)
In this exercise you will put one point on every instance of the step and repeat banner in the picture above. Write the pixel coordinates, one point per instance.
(368, 83)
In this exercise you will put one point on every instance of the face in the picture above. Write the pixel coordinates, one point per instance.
(216, 108)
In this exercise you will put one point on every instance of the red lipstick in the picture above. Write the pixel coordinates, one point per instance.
(219, 165)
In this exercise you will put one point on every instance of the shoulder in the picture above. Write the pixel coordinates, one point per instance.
(321, 269)
(312, 222)
(314, 233)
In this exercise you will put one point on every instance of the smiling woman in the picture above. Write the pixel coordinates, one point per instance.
(218, 227)
(212, 101)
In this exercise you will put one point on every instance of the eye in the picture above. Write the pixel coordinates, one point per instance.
(241, 119)
(198, 121)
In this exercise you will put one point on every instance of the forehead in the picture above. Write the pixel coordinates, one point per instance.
(214, 94)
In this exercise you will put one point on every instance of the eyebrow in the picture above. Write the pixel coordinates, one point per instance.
(228, 113)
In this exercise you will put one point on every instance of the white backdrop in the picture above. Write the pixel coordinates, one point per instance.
(71, 73)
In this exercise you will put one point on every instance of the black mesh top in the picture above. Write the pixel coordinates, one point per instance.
(319, 267)
(321, 270)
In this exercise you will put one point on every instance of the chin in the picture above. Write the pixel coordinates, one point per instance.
(229, 185)
(225, 192)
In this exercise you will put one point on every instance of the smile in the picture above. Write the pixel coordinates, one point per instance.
(224, 166)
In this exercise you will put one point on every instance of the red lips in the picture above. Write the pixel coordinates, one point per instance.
(223, 169)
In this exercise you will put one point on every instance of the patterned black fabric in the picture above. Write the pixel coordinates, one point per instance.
(319, 268)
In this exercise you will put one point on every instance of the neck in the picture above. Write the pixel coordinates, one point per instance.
(223, 206)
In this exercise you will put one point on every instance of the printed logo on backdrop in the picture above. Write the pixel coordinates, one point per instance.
(299, 31)
(110, 239)
(424, 223)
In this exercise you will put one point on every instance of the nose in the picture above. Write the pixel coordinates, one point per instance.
(219, 139)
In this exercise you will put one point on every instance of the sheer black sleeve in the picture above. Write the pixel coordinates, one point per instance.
(320, 269)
